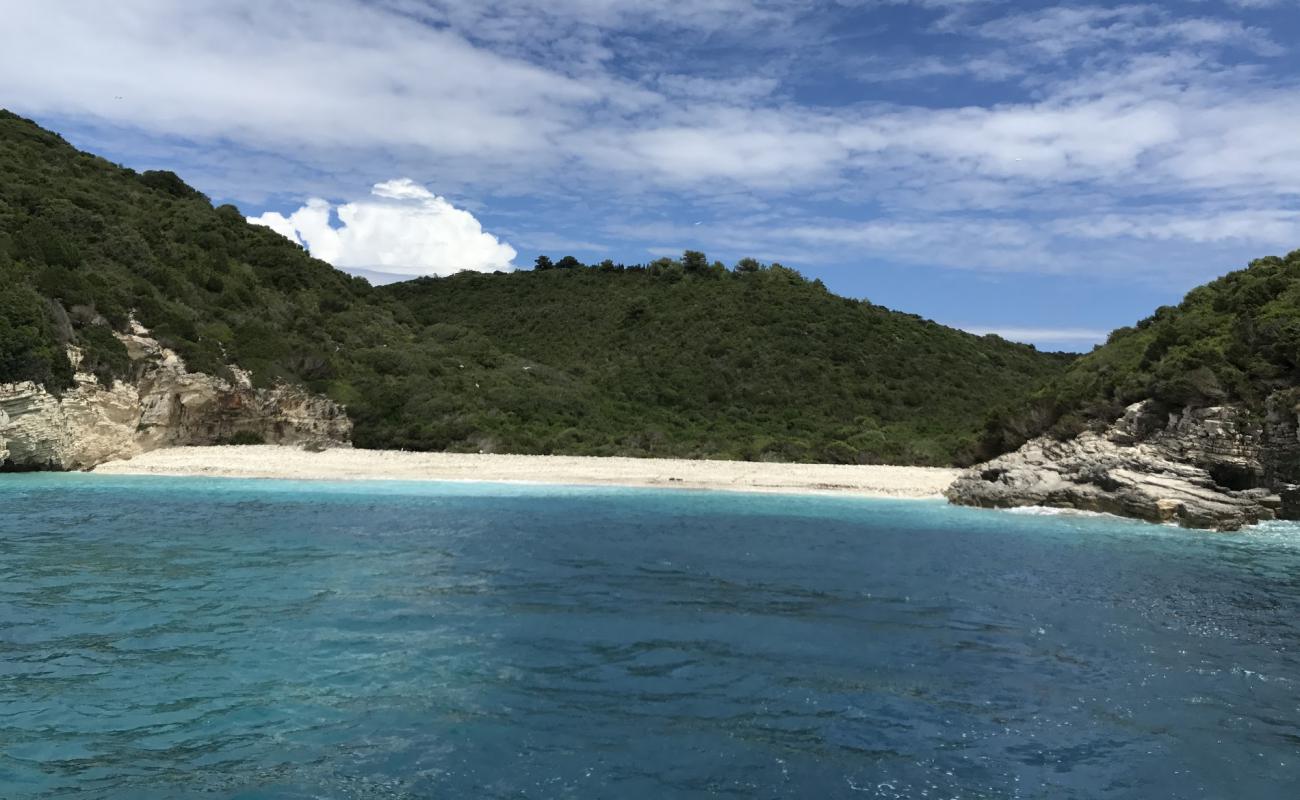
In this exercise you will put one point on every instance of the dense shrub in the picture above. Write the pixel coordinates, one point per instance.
(755, 363)
(1235, 339)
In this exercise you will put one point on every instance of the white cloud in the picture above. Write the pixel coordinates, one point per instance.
(998, 67)
(1274, 227)
(1059, 30)
(1262, 3)
(352, 77)
(343, 75)
(403, 229)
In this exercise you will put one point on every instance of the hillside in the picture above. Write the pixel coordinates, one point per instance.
(677, 358)
(1234, 340)
(85, 243)
(1190, 417)
(747, 364)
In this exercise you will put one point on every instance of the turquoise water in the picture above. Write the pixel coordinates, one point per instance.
(177, 638)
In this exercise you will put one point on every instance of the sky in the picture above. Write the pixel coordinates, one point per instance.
(1047, 171)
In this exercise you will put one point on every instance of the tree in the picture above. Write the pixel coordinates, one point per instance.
(169, 182)
(666, 268)
(748, 265)
(695, 262)
(543, 262)
(568, 262)
(39, 242)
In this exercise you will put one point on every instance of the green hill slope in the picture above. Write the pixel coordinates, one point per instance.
(1234, 340)
(678, 359)
(85, 243)
(746, 364)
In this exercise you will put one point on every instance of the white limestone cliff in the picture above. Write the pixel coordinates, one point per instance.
(164, 406)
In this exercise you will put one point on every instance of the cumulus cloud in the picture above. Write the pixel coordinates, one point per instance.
(401, 230)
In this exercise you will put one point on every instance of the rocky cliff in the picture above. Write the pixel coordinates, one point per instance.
(165, 405)
(1217, 467)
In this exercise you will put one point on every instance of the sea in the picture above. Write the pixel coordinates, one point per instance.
(218, 638)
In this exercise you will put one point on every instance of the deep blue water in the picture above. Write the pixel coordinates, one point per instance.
(176, 638)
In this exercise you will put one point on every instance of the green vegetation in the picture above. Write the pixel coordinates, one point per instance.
(688, 358)
(679, 357)
(1234, 340)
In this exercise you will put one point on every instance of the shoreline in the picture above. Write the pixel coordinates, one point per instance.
(290, 463)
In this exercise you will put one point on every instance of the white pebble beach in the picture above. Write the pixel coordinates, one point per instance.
(269, 461)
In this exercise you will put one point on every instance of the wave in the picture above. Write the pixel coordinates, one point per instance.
(1050, 511)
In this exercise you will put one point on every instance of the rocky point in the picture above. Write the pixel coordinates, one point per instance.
(165, 405)
(1215, 467)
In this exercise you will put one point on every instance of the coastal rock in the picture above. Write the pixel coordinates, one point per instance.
(165, 406)
(87, 425)
(1290, 503)
(1202, 468)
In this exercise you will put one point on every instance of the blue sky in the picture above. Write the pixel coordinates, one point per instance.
(1046, 170)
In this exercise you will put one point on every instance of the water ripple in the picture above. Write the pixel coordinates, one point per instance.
(189, 638)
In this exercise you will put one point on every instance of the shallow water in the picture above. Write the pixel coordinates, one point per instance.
(164, 638)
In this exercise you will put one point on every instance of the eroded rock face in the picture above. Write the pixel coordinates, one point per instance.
(1202, 468)
(4, 444)
(88, 425)
(165, 406)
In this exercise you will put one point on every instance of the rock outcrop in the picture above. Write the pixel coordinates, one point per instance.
(1212, 467)
(165, 405)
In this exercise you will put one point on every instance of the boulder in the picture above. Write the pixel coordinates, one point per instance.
(1290, 503)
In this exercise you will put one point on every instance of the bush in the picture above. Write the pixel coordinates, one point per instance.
(839, 453)
(102, 354)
